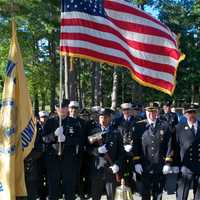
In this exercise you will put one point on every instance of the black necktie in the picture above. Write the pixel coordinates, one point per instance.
(152, 125)
(152, 128)
(193, 130)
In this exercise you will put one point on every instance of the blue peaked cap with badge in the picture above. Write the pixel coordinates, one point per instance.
(191, 108)
(106, 111)
(64, 103)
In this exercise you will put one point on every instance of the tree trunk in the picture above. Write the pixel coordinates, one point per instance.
(114, 89)
(43, 98)
(72, 81)
(98, 85)
(193, 94)
(122, 86)
(52, 96)
(79, 85)
(83, 100)
(54, 69)
(199, 95)
(96, 81)
(93, 81)
(100, 94)
(196, 94)
(35, 60)
(36, 103)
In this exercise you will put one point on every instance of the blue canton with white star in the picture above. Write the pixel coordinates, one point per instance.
(92, 7)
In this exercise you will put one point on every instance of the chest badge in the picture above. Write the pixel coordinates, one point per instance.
(71, 130)
(161, 132)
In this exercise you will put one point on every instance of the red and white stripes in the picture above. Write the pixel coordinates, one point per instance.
(126, 37)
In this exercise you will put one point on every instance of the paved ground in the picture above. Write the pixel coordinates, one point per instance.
(170, 184)
(165, 197)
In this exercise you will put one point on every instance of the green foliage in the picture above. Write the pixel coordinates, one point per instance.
(182, 17)
(38, 34)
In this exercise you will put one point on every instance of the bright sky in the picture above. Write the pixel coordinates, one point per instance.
(152, 11)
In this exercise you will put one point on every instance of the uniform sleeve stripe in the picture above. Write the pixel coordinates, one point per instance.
(136, 157)
(168, 159)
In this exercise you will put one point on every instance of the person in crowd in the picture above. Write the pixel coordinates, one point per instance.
(188, 142)
(64, 144)
(107, 151)
(152, 153)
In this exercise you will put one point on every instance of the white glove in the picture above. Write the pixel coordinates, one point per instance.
(102, 149)
(61, 137)
(138, 168)
(166, 169)
(58, 131)
(128, 148)
(175, 170)
(185, 170)
(115, 168)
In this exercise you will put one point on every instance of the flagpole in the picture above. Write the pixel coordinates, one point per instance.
(60, 102)
(66, 78)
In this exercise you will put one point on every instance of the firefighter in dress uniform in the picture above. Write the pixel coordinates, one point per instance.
(82, 182)
(43, 190)
(126, 125)
(152, 153)
(188, 141)
(172, 119)
(106, 149)
(63, 167)
(32, 164)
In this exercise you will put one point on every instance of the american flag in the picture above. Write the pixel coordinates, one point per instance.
(116, 32)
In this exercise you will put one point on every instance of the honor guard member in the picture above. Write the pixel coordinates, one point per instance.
(126, 126)
(107, 152)
(172, 119)
(63, 166)
(95, 114)
(74, 109)
(74, 113)
(152, 154)
(85, 114)
(126, 117)
(169, 116)
(85, 184)
(43, 117)
(32, 165)
(140, 111)
(94, 119)
(188, 140)
(91, 119)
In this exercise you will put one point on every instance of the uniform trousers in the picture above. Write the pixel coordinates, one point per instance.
(32, 189)
(152, 184)
(127, 173)
(184, 185)
(62, 172)
(32, 179)
(103, 182)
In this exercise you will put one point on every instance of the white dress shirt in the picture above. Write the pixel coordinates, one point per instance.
(195, 125)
